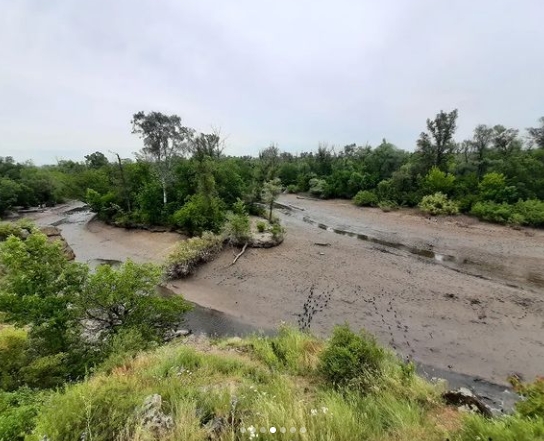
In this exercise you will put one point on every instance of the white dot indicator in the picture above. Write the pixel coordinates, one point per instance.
(243, 430)
(283, 430)
(262, 430)
(303, 430)
(272, 429)
(292, 430)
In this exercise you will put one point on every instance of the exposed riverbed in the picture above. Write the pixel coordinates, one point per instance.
(460, 295)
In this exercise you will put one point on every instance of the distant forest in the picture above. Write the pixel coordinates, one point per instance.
(182, 178)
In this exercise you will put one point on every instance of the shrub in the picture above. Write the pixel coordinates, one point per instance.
(388, 205)
(351, 358)
(277, 230)
(318, 187)
(492, 212)
(437, 181)
(292, 188)
(10, 229)
(493, 188)
(192, 252)
(261, 226)
(532, 212)
(13, 353)
(200, 213)
(438, 203)
(365, 198)
(18, 411)
(237, 229)
(466, 202)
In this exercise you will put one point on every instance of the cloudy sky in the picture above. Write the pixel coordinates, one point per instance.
(72, 73)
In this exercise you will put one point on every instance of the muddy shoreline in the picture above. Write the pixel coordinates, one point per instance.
(436, 291)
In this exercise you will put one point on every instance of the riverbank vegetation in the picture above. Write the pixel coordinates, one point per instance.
(183, 179)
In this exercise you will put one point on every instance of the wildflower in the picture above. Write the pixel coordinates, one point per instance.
(313, 412)
(324, 409)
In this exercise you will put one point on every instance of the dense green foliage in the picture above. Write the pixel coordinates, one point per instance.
(66, 317)
(184, 180)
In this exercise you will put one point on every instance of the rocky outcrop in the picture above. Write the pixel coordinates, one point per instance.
(53, 234)
(265, 240)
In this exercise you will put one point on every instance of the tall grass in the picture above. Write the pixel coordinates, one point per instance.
(232, 389)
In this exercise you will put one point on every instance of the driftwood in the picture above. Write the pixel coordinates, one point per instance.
(322, 244)
(239, 254)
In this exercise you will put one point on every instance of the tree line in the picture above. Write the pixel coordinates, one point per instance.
(184, 179)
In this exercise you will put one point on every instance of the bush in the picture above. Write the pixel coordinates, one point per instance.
(292, 189)
(318, 187)
(438, 203)
(192, 252)
(237, 229)
(277, 230)
(200, 213)
(493, 188)
(365, 198)
(387, 206)
(466, 202)
(492, 212)
(436, 181)
(351, 359)
(532, 212)
(20, 229)
(18, 411)
(13, 353)
(261, 226)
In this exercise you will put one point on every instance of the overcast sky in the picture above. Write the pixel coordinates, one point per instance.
(72, 72)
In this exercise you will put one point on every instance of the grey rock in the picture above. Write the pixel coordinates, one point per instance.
(466, 401)
(152, 417)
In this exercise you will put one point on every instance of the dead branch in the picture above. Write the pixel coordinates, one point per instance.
(239, 254)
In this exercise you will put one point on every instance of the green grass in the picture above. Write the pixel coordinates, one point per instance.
(265, 382)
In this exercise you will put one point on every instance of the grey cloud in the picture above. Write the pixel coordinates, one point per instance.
(294, 73)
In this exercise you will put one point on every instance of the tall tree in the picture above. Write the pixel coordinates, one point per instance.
(164, 139)
(480, 143)
(505, 141)
(96, 160)
(437, 145)
(537, 133)
(206, 145)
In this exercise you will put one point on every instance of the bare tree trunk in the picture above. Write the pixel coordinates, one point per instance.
(123, 180)
(270, 213)
(164, 193)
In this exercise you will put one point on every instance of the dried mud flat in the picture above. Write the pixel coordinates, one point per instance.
(452, 293)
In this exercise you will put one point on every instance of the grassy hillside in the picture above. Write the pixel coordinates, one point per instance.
(347, 388)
